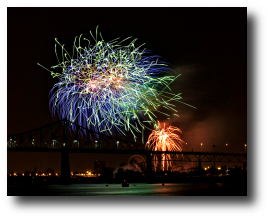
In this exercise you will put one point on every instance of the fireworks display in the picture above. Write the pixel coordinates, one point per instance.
(110, 88)
(164, 139)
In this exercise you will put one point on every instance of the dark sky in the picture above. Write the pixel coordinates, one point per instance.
(207, 46)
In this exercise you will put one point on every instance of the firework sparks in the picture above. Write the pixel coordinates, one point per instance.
(110, 88)
(164, 139)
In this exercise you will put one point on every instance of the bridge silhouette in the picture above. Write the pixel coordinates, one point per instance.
(67, 137)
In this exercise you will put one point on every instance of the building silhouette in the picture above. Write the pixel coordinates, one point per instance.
(98, 165)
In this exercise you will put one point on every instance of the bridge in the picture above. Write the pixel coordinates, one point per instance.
(67, 137)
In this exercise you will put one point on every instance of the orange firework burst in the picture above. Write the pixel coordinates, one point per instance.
(164, 139)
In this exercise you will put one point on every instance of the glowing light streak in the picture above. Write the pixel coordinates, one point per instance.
(109, 87)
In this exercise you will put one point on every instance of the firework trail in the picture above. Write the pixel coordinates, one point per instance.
(109, 87)
(164, 139)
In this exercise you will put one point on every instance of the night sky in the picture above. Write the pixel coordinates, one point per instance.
(207, 46)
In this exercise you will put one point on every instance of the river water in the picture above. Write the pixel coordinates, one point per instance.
(135, 189)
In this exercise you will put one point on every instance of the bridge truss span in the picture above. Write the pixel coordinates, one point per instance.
(58, 135)
(202, 157)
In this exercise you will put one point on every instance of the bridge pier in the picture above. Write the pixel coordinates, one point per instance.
(200, 166)
(245, 167)
(65, 168)
(148, 167)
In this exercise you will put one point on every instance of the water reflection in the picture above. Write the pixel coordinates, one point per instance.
(135, 189)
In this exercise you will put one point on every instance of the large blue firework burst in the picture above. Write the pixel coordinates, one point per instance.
(108, 87)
